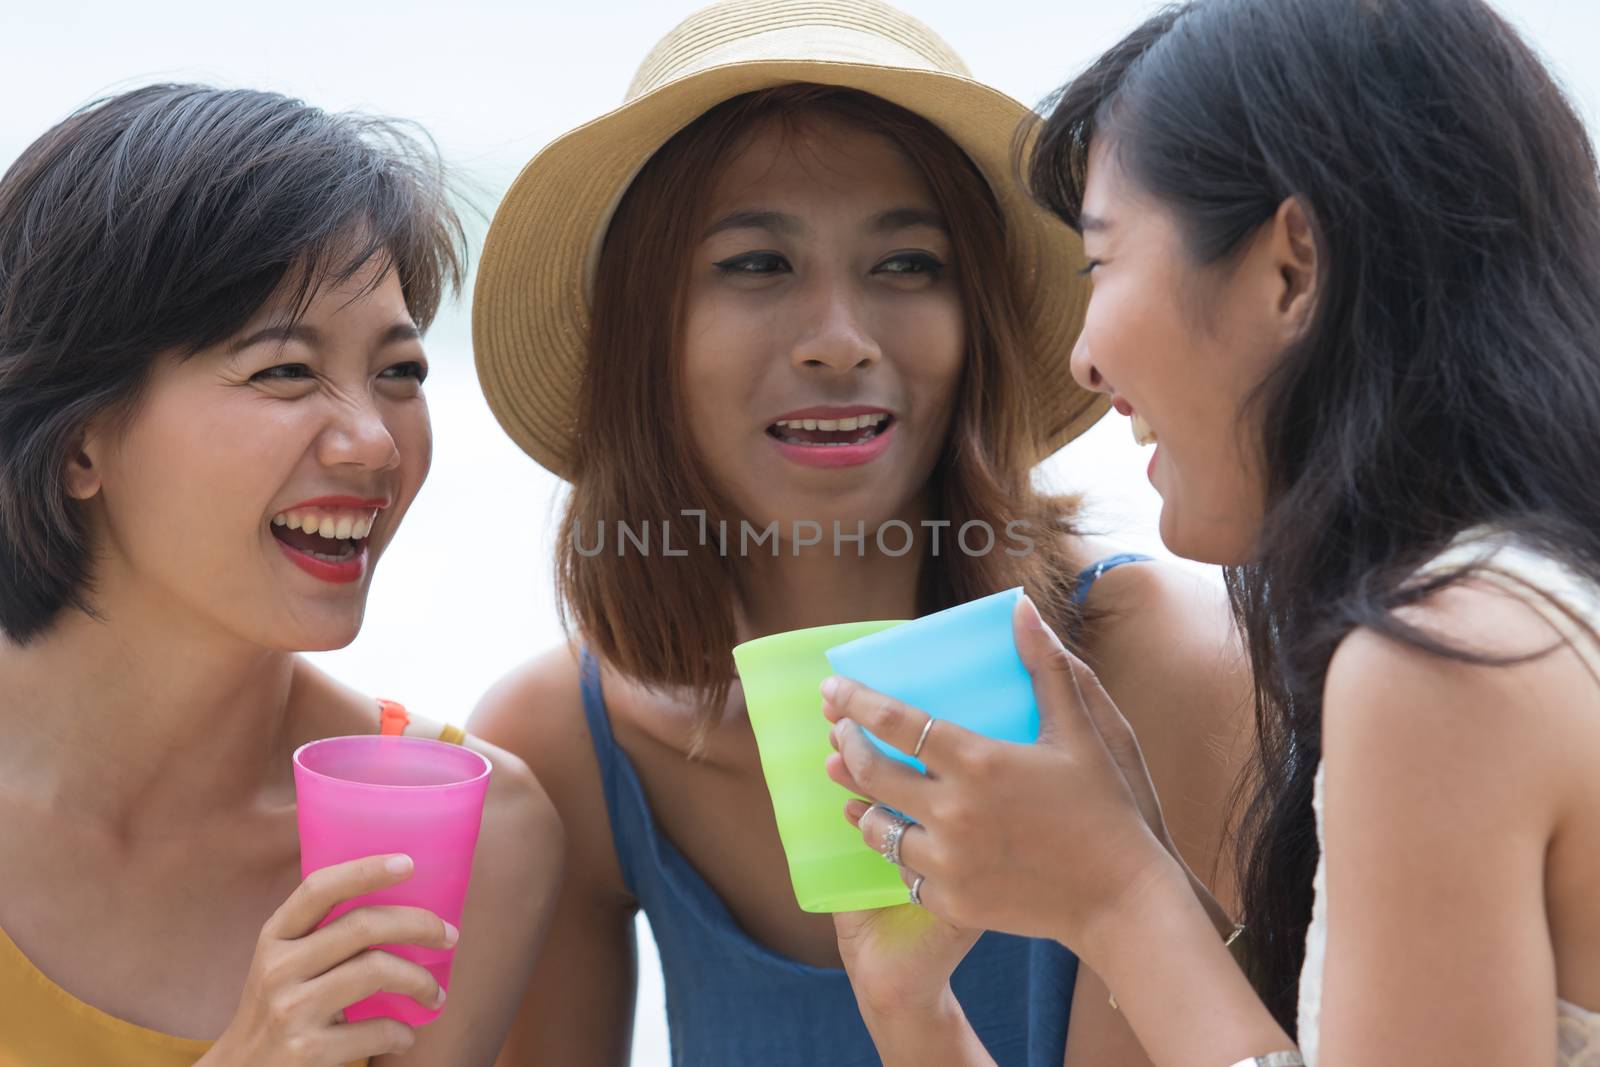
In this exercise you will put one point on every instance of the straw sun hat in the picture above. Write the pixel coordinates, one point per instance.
(530, 309)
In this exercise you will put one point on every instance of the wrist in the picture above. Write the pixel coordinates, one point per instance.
(931, 1031)
(1162, 887)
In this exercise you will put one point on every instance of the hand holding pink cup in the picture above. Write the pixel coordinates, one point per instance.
(372, 794)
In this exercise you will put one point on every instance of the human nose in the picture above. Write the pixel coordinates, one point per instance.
(1084, 370)
(358, 435)
(836, 338)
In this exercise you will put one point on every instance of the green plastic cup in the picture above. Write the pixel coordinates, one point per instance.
(831, 868)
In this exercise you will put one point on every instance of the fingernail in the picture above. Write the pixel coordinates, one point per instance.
(438, 1001)
(398, 864)
(830, 686)
(451, 934)
(1030, 614)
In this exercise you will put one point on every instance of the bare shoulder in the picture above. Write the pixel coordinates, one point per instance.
(1163, 643)
(1444, 717)
(1163, 637)
(536, 714)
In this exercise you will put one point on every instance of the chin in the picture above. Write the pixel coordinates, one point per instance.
(319, 635)
(1202, 546)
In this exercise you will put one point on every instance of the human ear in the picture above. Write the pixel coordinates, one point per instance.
(83, 467)
(1294, 251)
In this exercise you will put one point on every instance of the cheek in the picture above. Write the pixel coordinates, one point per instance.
(931, 340)
(413, 436)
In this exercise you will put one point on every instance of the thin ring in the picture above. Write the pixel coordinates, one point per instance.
(891, 839)
(916, 890)
(922, 740)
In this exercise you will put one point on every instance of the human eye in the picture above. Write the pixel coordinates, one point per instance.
(911, 265)
(414, 369)
(284, 372)
(758, 264)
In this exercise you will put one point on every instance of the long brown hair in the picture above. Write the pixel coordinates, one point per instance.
(670, 623)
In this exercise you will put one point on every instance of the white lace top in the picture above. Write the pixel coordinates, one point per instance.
(1571, 604)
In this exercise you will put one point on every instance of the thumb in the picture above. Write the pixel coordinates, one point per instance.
(1065, 715)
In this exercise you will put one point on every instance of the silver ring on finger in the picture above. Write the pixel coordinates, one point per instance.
(916, 890)
(891, 838)
(922, 738)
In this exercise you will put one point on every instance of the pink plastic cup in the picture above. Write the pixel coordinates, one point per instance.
(371, 795)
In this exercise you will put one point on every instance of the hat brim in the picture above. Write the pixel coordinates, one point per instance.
(530, 308)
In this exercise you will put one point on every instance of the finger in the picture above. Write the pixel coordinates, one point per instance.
(324, 889)
(893, 722)
(1063, 685)
(879, 777)
(373, 971)
(367, 1039)
(839, 773)
(362, 928)
(927, 893)
(876, 823)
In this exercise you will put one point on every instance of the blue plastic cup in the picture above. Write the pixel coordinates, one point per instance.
(960, 664)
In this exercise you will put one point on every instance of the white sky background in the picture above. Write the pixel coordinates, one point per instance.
(465, 592)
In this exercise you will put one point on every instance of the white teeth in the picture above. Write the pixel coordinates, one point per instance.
(854, 422)
(343, 525)
(1142, 433)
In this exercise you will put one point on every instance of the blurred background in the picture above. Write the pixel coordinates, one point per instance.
(465, 591)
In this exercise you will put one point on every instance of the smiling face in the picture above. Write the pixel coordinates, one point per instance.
(256, 483)
(824, 332)
(1181, 347)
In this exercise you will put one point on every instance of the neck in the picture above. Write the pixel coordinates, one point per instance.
(144, 718)
(820, 587)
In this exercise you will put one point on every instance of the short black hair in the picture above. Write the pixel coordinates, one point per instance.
(160, 221)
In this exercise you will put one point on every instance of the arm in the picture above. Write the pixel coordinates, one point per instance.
(515, 872)
(580, 1003)
(1444, 783)
(1166, 650)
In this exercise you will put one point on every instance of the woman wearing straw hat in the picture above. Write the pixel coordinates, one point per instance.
(791, 282)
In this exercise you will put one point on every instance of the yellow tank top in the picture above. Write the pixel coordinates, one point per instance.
(42, 1025)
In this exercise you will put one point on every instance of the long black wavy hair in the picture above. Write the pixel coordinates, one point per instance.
(1450, 377)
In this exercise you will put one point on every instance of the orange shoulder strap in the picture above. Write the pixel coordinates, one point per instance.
(392, 718)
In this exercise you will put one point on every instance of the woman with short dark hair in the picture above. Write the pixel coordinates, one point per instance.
(211, 423)
(1346, 263)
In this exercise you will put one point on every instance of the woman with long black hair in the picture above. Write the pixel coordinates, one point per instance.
(1346, 258)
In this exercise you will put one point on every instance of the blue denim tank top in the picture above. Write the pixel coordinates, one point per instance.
(732, 1002)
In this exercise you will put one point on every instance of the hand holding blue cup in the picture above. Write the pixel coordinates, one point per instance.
(960, 665)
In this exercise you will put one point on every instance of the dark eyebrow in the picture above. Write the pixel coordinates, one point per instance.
(400, 331)
(1088, 223)
(905, 218)
(282, 333)
(771, 221)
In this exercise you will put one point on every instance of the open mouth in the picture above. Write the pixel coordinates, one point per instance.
(328, 535)
(831, 433)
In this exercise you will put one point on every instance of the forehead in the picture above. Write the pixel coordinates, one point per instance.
(817, 157)
(1104, 184)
